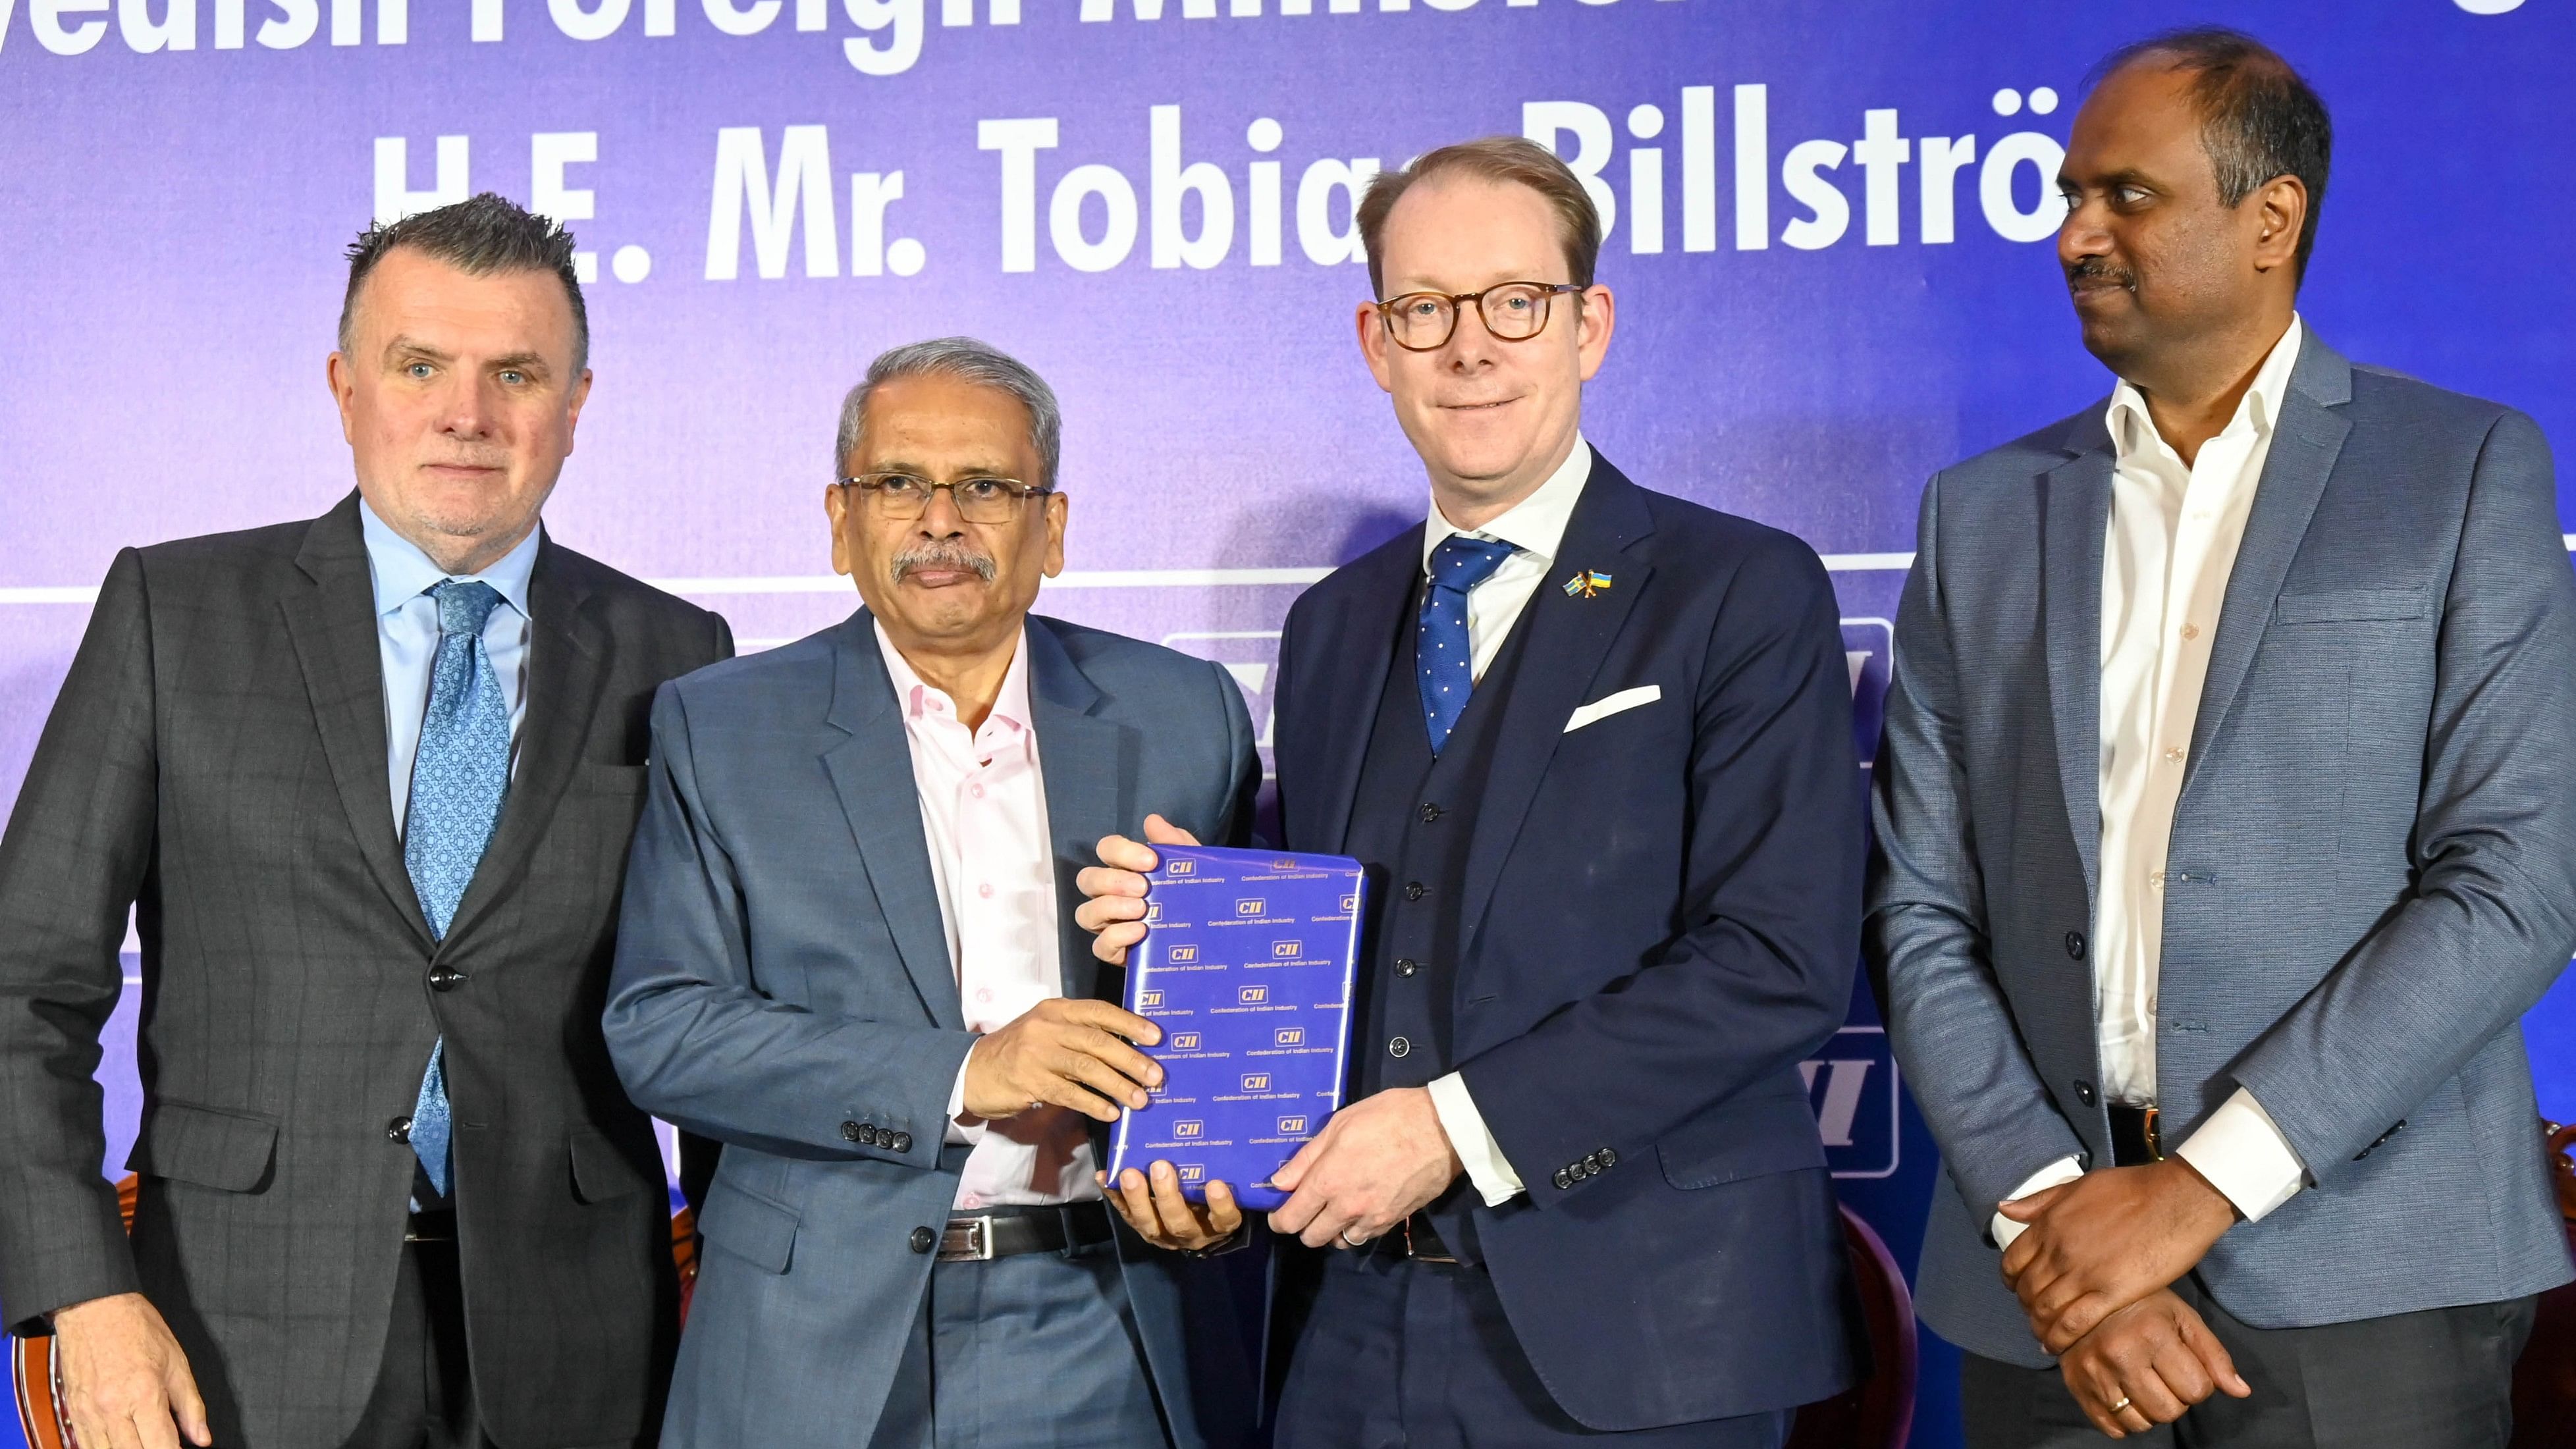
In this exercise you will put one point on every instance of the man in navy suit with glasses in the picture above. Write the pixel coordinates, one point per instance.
(1594, 745)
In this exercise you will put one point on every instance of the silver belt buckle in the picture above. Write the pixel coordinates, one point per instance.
(967, 1240)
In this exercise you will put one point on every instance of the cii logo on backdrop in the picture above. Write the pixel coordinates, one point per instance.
(1869, 652)
(1852, 1089)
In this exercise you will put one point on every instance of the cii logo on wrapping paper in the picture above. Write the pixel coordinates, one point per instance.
(1252, 995)
(1289, 1036)
(1853, 1092)
(1185, 1041)
(1183, 953)
(1256, 1081)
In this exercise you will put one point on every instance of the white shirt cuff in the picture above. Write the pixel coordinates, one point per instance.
(2245, 1157)
(2063, 1170)
(960, 1133)
(1475, 1145)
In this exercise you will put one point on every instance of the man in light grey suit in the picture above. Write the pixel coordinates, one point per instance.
(849, 956)
(2226, 815)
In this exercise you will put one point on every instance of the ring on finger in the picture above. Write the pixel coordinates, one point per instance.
(1350, 1242)
(2115, 1408)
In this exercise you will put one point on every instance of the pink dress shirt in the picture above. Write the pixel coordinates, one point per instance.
(983, 813)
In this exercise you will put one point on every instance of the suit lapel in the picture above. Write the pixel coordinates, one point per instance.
(2075, 504)
(1568, 642)
(2307, 437)
(332, 622)
(567, 663)
(871, 771)
(1360, 643)
(1083, 761)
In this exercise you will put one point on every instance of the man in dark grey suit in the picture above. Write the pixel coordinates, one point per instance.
(368, 783)
(849, 955)
(2227, 825)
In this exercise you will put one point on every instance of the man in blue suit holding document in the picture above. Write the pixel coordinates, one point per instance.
(846, 956)
(1594, 744)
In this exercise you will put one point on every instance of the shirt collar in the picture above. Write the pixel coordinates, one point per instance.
(403, 573)
(1010, 707)
(2133, 429)
(1536, 524)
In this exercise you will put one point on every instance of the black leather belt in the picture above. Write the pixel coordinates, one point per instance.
(1011, 1231)
(431, 1225)
(2136, 1139)
(1413, 1238)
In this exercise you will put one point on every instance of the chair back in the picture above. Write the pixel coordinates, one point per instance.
(2544, 1382)
(1877, 1412)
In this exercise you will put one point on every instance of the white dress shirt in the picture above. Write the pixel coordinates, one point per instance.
(407, 639)
(1534, 527)
(983, 814)
(2172, 546)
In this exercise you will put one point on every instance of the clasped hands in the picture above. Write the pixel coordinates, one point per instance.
(2093, 1268)
(1376, 1162)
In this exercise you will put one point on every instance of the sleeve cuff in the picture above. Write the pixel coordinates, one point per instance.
(962, 1133)
(2063, 1170)
(1474, 1143)
(2245, 1156)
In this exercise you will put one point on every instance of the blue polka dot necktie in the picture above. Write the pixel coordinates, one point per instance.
(458, 779)
(1441, 646)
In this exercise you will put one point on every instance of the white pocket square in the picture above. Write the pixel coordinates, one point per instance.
(1610, 704)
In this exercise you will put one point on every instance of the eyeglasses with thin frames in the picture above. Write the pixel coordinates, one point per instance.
(980, 498)
(1512, 312)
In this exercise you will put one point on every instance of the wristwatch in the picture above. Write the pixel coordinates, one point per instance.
(1222, 1246)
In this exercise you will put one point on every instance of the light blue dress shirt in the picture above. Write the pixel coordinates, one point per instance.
(407, 635)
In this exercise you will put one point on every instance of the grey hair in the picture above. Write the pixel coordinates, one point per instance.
(966, 360)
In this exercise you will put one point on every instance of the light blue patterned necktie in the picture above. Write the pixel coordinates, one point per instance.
(458, 779)
(1441, 643)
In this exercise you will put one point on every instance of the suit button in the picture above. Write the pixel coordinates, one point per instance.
(1399, 1047)
(1592, 1161)
(445, 978)
(2075, 944)
(923, 1240)
(901, 1142)
(1413, 890)
(1430, 813)
(398, 1130)
(1406, 966)
(2084, 1093)
(869, 1136)
(854, 1132)
(1609, 1158)
(1563, 1178)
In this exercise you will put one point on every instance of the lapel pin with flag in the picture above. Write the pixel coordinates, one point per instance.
(1586, 584)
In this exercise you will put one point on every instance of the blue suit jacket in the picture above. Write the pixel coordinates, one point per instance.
(782, 969)
(1661, 922)
(2372, 872)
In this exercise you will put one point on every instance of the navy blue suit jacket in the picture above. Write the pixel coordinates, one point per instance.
(1661, 921)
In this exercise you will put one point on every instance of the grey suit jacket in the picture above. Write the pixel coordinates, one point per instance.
(217, 759)
(783, 970)
(2372, 872)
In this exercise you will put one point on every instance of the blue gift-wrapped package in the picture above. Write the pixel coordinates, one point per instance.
(1247, 968)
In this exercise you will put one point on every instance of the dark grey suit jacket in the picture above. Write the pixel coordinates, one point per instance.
(217, 758)
(783, 976)
(2372, 871)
